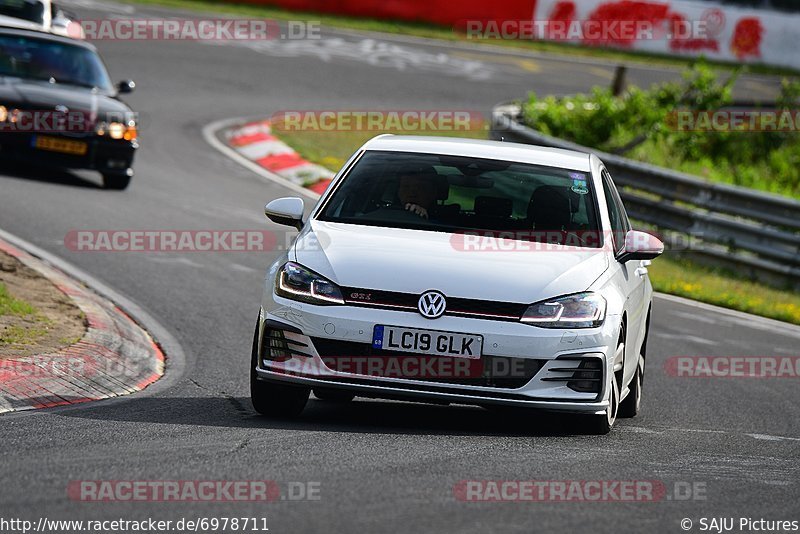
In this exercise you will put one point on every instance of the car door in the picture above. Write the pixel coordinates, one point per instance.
(632, 274)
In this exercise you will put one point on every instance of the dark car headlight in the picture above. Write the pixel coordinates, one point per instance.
(8, 114)
(298, 283)
(582, 310)
(117, 130)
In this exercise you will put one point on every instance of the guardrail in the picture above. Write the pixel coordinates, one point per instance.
(755, 233)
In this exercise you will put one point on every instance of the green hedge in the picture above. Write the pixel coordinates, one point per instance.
(642, 124)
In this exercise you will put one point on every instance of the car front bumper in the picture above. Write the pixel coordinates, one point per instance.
(108, 156)
(533, 359)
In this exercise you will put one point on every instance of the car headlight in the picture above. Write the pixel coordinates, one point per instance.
(298, 283)
(8, 114)
(582, 310)
(117, 130)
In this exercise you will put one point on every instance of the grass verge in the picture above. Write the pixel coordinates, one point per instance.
(333, 149)
(678, 276)
(11, 306)
(431, 31)
(668, 274)
(32, 326)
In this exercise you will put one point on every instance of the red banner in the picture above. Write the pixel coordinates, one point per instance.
(445, 12)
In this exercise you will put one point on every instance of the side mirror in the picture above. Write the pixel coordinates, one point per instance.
(640, 246)
(287, 211)
(126, 86)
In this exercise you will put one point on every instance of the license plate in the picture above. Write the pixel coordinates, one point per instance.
(427, 342)
(65, 146)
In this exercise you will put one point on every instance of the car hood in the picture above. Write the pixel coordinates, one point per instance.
(413, 261)
(31, 94)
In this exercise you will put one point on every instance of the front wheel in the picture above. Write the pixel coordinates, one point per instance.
(632, 404)
(272, 399)
(116, 181)
(603, 423)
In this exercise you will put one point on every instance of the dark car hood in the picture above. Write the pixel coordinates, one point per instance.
(28, 94)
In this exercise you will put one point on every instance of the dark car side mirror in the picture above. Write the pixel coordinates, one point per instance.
(126, 86)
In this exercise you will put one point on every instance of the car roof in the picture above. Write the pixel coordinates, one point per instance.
(19, 29)
(479, 148)
(19, 24)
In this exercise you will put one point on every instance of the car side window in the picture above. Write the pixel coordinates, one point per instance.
(616, 213)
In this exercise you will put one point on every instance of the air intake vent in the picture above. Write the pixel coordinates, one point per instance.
(276, 347)
(583, 374)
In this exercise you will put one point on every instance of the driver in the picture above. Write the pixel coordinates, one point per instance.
(417, 194)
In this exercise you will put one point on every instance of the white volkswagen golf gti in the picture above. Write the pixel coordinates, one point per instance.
(459, 271)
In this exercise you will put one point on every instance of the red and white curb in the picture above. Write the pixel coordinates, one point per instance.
(254, 141)
(114, 357)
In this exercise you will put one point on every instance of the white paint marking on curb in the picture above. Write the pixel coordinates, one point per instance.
(210, 135)
(176, 360)
(262, 149)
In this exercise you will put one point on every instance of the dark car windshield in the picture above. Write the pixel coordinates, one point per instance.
(462, 194)
(54, 61)
(31, 10)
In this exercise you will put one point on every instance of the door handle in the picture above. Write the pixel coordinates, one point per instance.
(641, 271)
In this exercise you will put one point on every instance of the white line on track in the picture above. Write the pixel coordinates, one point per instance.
(671, 430)
(753, 321)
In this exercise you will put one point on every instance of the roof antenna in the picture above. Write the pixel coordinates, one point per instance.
(502, 139)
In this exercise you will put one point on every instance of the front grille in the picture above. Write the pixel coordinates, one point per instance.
(488, 371)
(458, 307)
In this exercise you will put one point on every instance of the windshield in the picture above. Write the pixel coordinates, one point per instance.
(54, 61)
(32, 10)
(460, 194)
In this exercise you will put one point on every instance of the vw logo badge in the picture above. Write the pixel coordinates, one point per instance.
(431, 304)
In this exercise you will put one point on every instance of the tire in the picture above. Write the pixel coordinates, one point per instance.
(631, 406)
(602, 424)
(116, 182)
(273, 399)
(334, 395)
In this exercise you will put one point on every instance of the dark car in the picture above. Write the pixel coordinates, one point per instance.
(58, 107)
